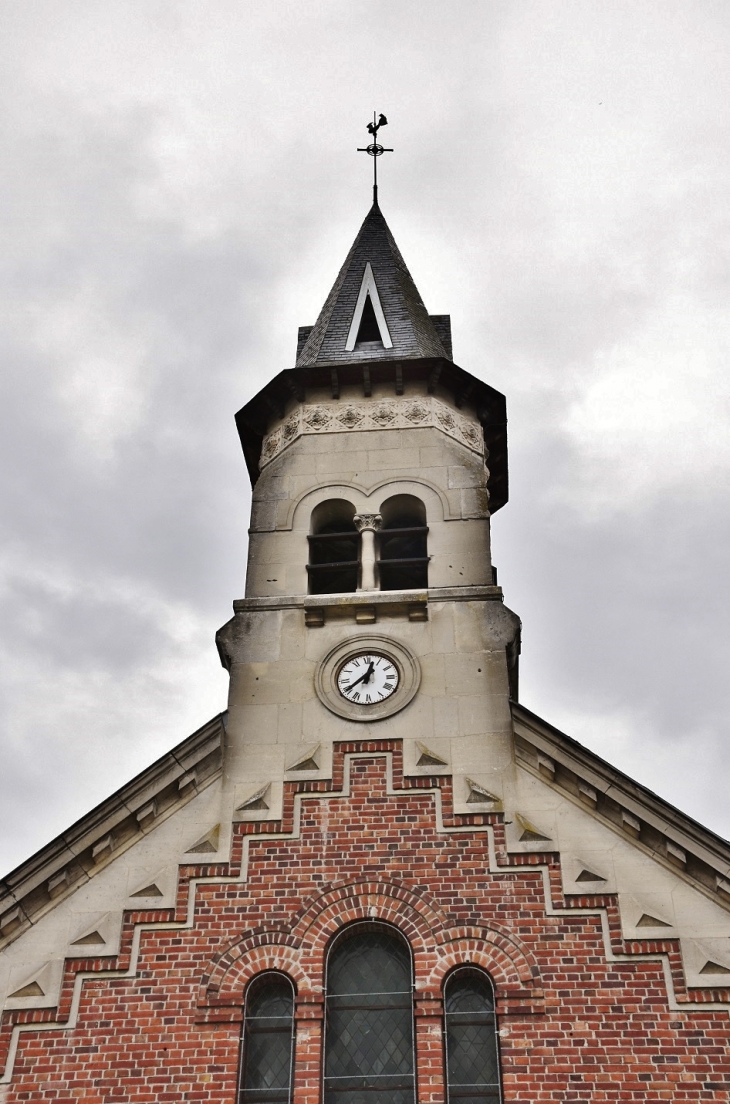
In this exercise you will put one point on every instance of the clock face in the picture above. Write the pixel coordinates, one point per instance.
(368, 679)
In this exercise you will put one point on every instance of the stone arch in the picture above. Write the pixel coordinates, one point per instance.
(302, 506)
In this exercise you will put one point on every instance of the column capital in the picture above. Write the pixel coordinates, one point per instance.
(364, 522)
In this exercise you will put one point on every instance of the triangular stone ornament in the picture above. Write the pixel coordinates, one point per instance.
(428, 758)
(529, 832)
(368, 293)
(32, 989)
(207, 844)
(711, 967)
(307, 761)
(648, 921)
(588, 876)
(479, 795)
(151, 890)
(88, 940)
(257, 800)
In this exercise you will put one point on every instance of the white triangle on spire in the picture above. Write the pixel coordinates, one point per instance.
(368, 287)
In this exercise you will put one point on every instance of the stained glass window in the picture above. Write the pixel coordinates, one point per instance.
(369, 1019)
(268, 1040)
(472, 1061)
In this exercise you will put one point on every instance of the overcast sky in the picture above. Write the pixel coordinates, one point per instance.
(178, 187)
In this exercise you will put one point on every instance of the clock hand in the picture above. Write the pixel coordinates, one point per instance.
(363, 678)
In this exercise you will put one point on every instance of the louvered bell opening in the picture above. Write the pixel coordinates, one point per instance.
(369, 1026)
(334, 549)
(268, 1042)
(472, 1060)
(403, 544)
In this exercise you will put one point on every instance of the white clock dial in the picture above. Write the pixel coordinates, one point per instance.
(368, 679)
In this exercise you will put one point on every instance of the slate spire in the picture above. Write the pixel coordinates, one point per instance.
(374, 310)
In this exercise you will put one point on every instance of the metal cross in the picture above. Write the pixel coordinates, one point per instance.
(375, 150)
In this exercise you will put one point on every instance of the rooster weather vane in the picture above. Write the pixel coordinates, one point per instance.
(375, 150)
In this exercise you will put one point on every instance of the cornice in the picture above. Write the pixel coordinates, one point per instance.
(674, 839)
(89, 845)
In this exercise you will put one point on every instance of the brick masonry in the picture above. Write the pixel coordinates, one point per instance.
(575, 1024)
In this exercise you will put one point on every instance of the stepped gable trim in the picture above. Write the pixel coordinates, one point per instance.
(545, 868)
(409, 326)
(632, 810)
(70, 860)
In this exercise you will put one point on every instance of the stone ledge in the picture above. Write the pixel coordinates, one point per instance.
(370, 598)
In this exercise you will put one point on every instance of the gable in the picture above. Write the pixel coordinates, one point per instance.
(68, 900)
(669, 875)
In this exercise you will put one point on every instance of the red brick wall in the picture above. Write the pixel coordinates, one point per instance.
(574, 1026)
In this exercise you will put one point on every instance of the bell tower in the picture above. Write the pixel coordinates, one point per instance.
(372, 608)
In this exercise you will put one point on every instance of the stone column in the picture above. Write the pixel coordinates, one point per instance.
(367, 525)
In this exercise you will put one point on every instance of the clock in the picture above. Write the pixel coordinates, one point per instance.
(368, 678)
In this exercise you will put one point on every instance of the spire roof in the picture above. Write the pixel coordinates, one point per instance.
(374, 281)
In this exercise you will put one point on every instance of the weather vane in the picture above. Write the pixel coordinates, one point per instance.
(375, 150)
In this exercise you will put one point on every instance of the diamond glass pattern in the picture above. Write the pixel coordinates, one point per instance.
(267, 1043)
(369, 1035)
(471, 1040)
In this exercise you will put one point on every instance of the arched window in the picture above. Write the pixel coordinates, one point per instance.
(369, 1019)
(472, 1060)
(268, 1041)
(403, 563)
(334, 548)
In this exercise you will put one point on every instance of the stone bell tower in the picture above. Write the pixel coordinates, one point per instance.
(372, 607)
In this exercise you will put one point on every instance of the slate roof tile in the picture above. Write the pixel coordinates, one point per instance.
(412, 331)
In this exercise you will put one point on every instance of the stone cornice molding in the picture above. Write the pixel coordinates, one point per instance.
(689, 850)
(87, 847)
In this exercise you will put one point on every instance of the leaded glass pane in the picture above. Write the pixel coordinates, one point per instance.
(369, 1035)
(267, 1043)
(471, 1040)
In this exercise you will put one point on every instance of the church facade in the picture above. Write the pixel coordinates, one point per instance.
(376, 876)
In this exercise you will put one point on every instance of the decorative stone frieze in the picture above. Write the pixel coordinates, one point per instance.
(346, 417)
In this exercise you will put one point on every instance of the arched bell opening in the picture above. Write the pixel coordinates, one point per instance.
(403, 544)
(334, 548)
